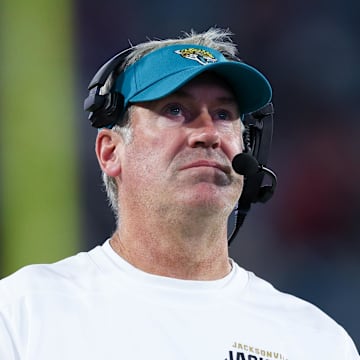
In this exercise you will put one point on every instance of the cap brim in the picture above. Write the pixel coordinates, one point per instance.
(251, 88)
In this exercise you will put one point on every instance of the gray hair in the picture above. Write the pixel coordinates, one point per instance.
(216, 38)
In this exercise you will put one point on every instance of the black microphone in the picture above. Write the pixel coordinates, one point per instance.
(246, 164)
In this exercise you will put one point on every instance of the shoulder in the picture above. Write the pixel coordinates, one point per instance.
(306, 320)
(42, 278)
(287, 308)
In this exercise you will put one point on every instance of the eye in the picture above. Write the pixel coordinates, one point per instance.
(174, 110)
(224, 115)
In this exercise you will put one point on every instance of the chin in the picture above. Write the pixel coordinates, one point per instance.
(209, 197)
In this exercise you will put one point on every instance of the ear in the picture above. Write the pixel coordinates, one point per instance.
(108, 149)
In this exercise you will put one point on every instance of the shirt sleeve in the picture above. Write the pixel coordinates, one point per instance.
(8, 339)
(7, 345)
(351, 351)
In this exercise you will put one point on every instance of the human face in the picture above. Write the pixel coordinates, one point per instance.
(181, 151)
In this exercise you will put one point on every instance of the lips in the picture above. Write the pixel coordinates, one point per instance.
(207, 163)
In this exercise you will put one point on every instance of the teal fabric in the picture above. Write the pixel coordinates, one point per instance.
(165, 70)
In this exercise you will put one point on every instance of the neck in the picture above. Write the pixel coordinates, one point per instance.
(163, 246)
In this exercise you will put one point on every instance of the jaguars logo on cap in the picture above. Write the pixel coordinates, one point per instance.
(202, 56)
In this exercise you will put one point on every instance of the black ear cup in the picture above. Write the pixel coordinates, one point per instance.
(105, 109)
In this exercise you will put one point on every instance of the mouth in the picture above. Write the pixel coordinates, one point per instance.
(207, 163)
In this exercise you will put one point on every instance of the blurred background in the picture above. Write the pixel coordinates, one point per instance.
(305, 241)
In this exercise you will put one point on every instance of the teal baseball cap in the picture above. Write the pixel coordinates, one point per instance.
(165, 70)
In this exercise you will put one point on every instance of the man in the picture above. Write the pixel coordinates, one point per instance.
(163, 286)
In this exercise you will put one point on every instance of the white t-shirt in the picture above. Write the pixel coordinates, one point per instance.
(96, 306)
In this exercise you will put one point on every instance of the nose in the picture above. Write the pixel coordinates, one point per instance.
(204, 132)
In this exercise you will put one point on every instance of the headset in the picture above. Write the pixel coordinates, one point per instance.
(106, 109)
(251, 163)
